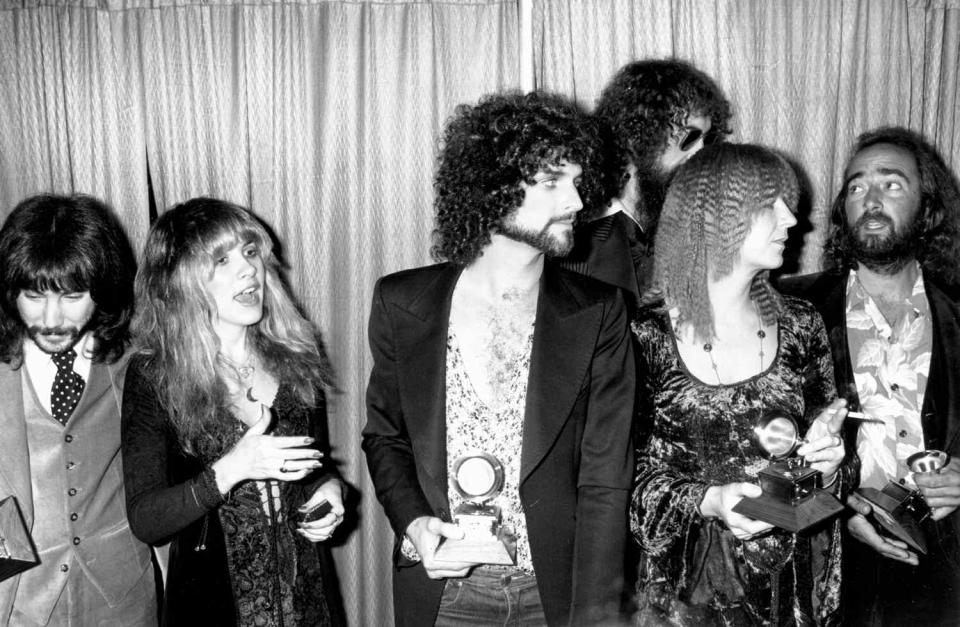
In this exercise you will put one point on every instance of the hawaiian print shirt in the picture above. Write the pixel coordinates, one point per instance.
(891, 360)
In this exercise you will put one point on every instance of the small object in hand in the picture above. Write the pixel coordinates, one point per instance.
(316, 512)
(859, 416)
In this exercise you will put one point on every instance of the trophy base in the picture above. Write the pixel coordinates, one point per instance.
(888, 512)
(787, 515)
(17, 552)
(499, 549)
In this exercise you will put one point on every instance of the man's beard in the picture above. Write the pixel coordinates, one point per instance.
(543, 240)
(651, 194)
(67, 337)
(884, 253)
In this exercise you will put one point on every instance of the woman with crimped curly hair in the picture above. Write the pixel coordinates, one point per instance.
(224, 426)
(489, 149)
(724, 350)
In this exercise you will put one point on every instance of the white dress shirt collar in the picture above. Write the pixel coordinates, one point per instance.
(41, 369)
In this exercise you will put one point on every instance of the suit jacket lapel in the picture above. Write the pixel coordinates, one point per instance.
(562, 350)
(15, 460)
(421, 349)
(941, 410)
(829, 295)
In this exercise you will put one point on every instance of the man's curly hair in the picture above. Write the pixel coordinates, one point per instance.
(644, 101)
(938, 237)
(489, 148)
(706, 217)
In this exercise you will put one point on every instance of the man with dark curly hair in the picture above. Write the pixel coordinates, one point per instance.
(889, 303)
(499, 359)
(655, 115)
(66, 298)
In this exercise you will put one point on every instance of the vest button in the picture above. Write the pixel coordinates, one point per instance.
(64, 568)
(70, 465)
(902, 433)
(74, 516)
(68, 438)
(72, 491)
(76, 541)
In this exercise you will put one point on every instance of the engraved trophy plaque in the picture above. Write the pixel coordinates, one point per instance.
(792, 497)
(478, 478)
(898, 510)
(17, 552)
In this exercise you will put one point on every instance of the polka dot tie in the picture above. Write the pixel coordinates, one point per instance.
(67, 386)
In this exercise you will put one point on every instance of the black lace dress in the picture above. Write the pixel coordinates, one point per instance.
(236, 561)
(695, 435)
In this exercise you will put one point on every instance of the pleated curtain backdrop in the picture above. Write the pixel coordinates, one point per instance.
(804, 76)
(323, 117)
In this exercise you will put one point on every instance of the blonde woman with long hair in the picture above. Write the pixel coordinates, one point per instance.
(224, 427)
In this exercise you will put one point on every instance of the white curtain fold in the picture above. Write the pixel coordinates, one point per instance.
(71, 113)
(323, 116)
(805, 77)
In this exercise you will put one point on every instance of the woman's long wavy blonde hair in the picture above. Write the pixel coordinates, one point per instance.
(706, 217)
(174, 320)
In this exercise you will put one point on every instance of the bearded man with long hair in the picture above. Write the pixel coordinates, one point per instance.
(888, 299)
(497, 350)
(66, 299)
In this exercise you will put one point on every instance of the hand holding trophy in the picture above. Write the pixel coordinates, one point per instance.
(793, 498)
(898, 510)
(478, 478)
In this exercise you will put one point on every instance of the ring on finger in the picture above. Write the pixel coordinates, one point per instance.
(283, 466)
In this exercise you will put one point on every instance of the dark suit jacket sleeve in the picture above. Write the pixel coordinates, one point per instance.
(605, 472)
(386, 442)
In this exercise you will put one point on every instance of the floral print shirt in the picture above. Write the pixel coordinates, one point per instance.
(473, 426)
(891, 360)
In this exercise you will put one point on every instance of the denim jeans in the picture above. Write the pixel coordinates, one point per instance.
(491, 597)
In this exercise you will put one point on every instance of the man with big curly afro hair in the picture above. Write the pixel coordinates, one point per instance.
(890, 304)
(499, 360)
(655, 114)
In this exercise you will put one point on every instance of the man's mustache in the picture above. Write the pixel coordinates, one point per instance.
(62, 330)
(875, 216)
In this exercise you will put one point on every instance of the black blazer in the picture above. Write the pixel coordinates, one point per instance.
(603, 249)
(576, 459)
(940, 413)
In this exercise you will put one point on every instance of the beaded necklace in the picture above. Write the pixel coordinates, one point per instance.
(761, 334)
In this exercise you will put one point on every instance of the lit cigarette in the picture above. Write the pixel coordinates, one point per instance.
(859, 416)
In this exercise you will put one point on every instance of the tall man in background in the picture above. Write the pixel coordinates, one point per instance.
(656, 114)
(889, 305)
(66, 298)
(500, 350)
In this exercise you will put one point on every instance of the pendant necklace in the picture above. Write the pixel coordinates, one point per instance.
(761, 334)
(244, 372)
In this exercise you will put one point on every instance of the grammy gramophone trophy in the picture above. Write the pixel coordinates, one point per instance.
(898, 510)
(478, 478)
(17, 552)
(792, 497)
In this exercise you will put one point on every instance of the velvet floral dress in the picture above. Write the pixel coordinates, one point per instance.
(694, 435)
